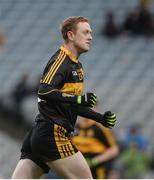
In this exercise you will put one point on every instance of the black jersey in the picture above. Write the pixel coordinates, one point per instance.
(65, 73)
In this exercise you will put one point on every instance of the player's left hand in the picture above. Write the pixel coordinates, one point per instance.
(109, 119)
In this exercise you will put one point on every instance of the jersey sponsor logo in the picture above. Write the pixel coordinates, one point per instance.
(74, 73)
(79, 73)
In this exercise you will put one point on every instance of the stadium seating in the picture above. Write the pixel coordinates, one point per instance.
(9, 155)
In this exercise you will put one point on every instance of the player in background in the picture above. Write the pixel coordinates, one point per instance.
(98, 145)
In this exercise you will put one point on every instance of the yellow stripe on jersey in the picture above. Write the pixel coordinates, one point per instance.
(72, 88)
(53, 65)
(45, 79)
(56, 68)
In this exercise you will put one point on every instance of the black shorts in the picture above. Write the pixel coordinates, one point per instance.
(45, 142)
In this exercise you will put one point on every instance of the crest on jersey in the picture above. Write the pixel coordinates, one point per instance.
(74, 73)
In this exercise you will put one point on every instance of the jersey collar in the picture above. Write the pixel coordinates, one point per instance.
(69, 54)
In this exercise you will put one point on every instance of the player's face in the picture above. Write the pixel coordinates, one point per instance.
(82, 37)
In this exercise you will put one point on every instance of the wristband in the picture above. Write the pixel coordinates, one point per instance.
(94, 162)
(78, 99)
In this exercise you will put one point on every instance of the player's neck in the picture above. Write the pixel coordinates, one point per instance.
(72, 50)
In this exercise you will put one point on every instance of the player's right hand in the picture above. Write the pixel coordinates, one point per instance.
(88, 99)
(109, 119)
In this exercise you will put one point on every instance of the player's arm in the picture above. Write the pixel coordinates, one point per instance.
(112, 148)
(107, 119)
(108, 155)
(50, 93)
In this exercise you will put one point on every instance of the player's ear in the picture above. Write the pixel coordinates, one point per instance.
(70, 35)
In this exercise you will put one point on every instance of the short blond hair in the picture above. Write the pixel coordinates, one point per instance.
(70, 24)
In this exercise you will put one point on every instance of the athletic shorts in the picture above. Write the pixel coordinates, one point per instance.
(45, 142)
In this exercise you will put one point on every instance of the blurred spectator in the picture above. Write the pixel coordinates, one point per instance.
(144, 20)
(139, 21)
(134, 135)
(110, 28)
(135, 164)
(145, 2)
(21, 90)
(99, 147)
(129, 26)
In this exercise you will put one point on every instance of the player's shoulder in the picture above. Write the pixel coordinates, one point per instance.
(54, 56)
